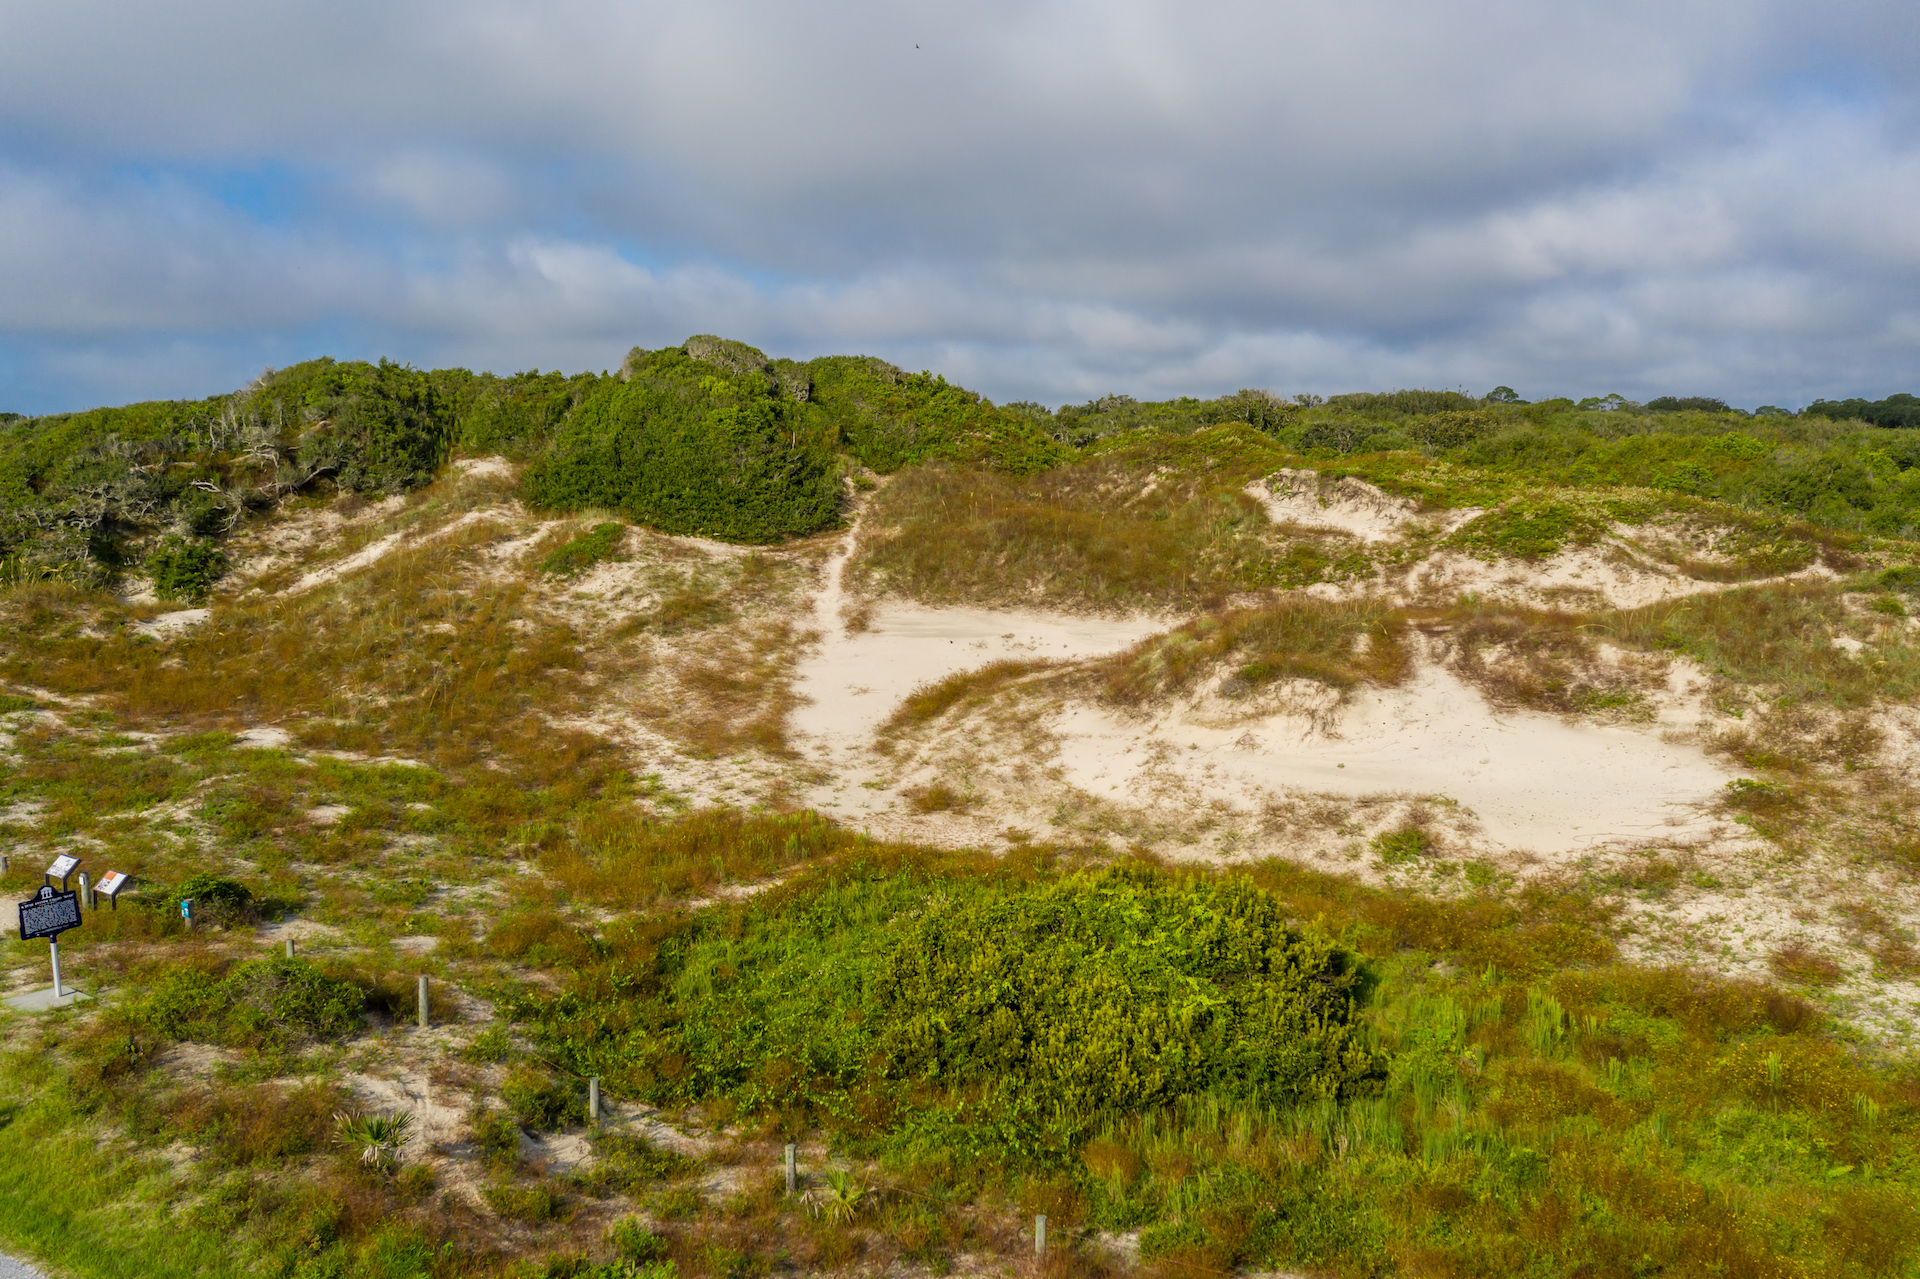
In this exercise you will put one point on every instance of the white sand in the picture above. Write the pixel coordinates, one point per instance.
(172, 623)
(1535, 782)
(374, 552)
(854, 680)
(266, 738)
(1347, 505)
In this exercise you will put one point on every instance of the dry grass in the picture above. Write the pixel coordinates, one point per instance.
(626, 858)
(1797, 962)
(1106, 533)
(936, 798)
(930, 701)
(733, 692)
(1340, 644)
(1778, 637)
(1541, 660)
(432, 662)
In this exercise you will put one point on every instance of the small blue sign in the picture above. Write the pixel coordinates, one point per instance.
(186, 909)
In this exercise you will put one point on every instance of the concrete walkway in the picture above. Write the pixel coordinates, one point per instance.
(11, 1269)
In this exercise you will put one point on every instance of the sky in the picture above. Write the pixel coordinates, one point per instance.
(1053, 200)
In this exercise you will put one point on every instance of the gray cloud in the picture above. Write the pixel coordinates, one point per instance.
(1052, 199)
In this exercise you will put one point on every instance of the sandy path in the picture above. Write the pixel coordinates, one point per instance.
(13, 1268)
(1535, 781)
(853, 680)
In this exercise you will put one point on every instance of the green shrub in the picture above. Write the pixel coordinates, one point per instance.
(216, 899)
(889, 419)
(512, 416)
(1046, 1006)
(581, 553)
(1399, 847)
(382, 427)
(1529, 528)
(268, 1004)
(1120, 990)
(495, 1136)
(632, 1241)
(531, 1202)
(185, 571)
(692, 446)
(624, 1162)
(540, 1102)
(1904, 578)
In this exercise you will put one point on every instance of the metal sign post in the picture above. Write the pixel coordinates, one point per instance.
(48, 914)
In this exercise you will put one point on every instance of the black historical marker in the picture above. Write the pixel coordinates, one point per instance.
(48, 914)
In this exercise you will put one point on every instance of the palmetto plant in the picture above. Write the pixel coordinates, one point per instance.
(378, 1138)
(839, 1199)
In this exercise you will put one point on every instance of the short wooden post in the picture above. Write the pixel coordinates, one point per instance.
(793, 1171)
(423, 1001)
(289, 948)
(1040, 1235)
(593, 1099)
(6, 863)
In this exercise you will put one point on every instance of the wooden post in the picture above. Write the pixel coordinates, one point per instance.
(593, 1100)
(289, 948)
(793, 1171)
(1040, 1235)
(86, 891)
(423, 1001)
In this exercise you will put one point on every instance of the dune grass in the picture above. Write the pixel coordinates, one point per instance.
(1121, 531)
(1780, 637)
(932, 700)
(1340, 644)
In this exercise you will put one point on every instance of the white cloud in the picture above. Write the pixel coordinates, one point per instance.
(1053, 199)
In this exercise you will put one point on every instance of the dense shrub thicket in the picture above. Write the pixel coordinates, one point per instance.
(887, 419)
(1895, 411)
(77, 488)
(1079, 425)
(1035, 1010)
(713, 437)
(707, 443)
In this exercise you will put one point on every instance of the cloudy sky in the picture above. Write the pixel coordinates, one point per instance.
(1047, 200)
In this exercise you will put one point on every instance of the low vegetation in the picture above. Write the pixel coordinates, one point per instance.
(451, 736)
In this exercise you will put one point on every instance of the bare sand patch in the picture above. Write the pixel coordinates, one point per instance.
(172, 623)
(1535, 782)
(855, 678)
(1347, 505)
(267, 738)
(479, 467)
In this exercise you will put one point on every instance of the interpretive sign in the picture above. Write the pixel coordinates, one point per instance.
(48, 914)
(62, 867)
(110, 884)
